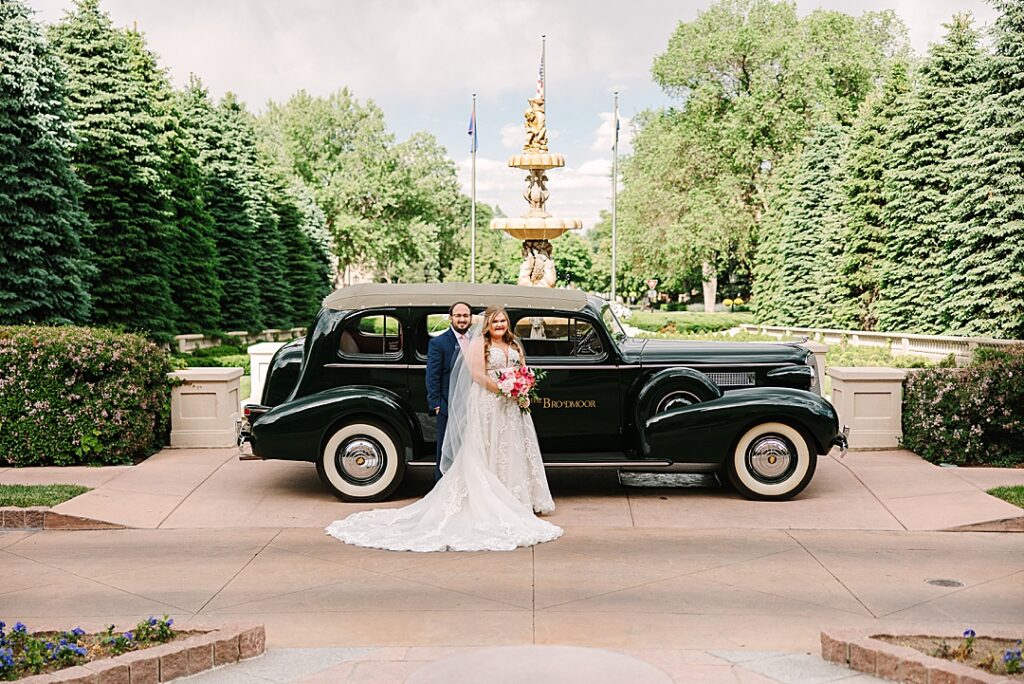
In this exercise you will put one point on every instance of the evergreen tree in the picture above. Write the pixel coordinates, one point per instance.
(225, 197)
(987, 202)
(863, 235)
(798, 271)
(44, 268)
(307, 270)
(914, 281)
(769, 290)
(305, 291)
(119, 160)
(190, 252)
(251, 169)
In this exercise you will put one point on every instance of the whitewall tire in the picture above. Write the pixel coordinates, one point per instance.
(772, 461)
(361, 461)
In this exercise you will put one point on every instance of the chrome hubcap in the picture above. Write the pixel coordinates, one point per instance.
(361, 460)
(771, 458)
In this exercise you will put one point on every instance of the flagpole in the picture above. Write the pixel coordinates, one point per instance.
(615, 190)
(544, 69)
(472, 195)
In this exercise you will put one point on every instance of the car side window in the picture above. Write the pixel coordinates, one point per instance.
(428, 327)
(559, 336)
(372, 335)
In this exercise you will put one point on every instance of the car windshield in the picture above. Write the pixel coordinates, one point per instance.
(611, 322)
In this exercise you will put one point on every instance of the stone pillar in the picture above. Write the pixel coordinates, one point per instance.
(259, 363)
(204, 407)
(870, 401)
(819, 350)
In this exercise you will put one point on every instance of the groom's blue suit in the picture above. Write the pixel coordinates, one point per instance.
(441, 353)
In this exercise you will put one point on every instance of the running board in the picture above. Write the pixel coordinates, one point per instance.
(701, 480)
(583, 464)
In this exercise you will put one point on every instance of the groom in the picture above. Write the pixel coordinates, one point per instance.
(441, 353)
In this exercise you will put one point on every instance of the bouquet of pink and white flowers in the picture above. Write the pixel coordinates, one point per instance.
(519, 384)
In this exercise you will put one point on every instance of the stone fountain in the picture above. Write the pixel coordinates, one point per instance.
(536, 227)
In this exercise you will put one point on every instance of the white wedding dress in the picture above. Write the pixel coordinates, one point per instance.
(487, 497)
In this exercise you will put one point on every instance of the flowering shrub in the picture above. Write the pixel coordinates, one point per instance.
(968, 416)
(23, 653)
(72, 396)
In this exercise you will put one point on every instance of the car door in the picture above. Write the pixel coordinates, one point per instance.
(371, 351)
(424, 325)
(578, 415)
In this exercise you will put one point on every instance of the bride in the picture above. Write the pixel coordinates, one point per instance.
(493, 475)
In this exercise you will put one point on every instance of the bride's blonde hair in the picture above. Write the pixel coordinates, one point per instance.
(508, 337)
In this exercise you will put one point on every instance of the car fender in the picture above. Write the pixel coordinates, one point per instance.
(706, 432)
(656, 386)
(296, 430)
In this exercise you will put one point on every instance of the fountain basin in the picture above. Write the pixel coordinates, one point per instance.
(539, 160)
(535, 228)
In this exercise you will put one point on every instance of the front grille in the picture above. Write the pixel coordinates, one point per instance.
(733, 379)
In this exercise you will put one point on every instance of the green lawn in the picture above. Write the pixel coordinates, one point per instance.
(676, 322)
(245, 386)
(1014, 494)
(23, 496)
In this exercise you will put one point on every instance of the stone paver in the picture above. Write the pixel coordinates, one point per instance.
(684, 579)
(602, 587)
(202, 488)
(395, 665)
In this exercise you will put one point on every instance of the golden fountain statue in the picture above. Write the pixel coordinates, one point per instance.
(536, 227)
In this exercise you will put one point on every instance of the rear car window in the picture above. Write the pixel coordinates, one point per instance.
(372, 335)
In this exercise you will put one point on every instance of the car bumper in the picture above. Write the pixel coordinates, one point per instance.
(243, 438)
(842, 440)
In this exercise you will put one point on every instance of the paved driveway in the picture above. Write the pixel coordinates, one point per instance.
(203, 488)
(667, 574)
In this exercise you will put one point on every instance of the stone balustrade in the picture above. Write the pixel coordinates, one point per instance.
(193, 341)
(870, 401)
(935, 347)
(204, 407)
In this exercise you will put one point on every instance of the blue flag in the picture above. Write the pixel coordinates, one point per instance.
(472, 132)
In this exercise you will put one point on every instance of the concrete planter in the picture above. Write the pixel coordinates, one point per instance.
(859, 651)
(870, 401)
(220, 646)
(259, 363)
(204, 407)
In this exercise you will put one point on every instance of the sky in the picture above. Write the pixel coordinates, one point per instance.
(421, 62)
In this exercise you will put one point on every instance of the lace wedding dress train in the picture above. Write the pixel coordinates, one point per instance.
(485, 501)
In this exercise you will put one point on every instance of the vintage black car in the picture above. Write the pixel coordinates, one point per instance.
(351, 396)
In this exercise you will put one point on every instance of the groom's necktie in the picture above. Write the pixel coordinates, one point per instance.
(462, 341)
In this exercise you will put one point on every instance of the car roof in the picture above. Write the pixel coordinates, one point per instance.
(371, 295)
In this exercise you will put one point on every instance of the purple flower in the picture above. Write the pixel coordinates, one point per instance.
(969, 634)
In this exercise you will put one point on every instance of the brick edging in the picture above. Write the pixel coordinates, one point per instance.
(220, 646)
(855, 648)
(42, 518)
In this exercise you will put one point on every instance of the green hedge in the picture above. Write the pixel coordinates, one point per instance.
(240, 361)
(683, 322)
(80, 396)
(968, 416)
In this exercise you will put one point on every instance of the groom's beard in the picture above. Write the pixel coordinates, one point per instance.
(461, 331)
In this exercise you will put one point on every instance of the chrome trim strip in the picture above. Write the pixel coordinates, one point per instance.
(366, 365)
(575, 366)
(698, 366)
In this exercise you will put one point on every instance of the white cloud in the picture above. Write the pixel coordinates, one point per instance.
(579, 192)
(604, 136)
(512, 136)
